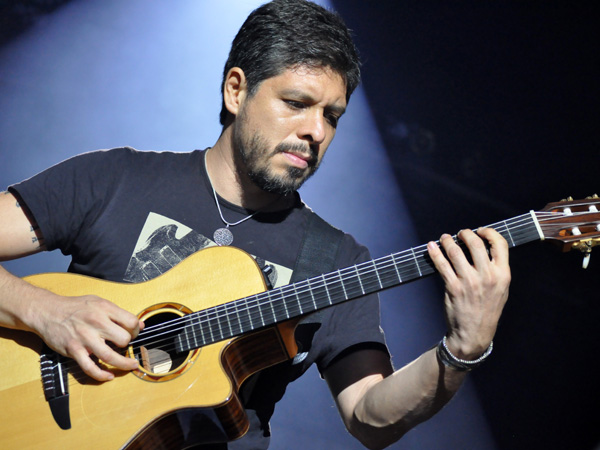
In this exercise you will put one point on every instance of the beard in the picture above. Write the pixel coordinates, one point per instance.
(254, 154)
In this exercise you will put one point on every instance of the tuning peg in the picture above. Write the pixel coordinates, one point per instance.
(568, 199)
(593, 196)
(586, 260)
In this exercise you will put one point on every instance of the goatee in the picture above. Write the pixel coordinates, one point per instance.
(255, 156)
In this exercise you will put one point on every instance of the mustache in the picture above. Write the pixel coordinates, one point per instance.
(303, 149)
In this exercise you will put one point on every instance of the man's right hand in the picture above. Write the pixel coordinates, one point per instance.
(82, 327)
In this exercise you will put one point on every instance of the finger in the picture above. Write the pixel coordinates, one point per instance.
(498, 245)
(89, 366)
(440, 262)
(125, 321)
(455, 254)
(109, 356)
(115, 333)
(477, 248)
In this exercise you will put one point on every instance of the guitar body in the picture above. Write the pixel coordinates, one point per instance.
(136, 409)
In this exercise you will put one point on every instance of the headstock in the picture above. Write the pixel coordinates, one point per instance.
(573, 224)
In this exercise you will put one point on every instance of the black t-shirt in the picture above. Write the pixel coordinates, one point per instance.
(128, 215)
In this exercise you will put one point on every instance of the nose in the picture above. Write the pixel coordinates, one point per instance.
(313, 128)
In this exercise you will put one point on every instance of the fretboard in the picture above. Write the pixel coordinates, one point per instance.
(271, 307)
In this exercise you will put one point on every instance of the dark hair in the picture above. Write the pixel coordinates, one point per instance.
(286, 33)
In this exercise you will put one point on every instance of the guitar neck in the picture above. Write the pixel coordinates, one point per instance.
(297, 299)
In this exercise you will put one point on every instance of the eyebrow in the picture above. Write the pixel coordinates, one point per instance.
(303, 96)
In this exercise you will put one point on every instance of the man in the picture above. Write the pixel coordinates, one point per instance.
(286, 84)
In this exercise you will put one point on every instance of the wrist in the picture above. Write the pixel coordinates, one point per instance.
(449, 359)
(33, 307)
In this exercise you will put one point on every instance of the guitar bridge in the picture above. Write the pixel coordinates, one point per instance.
(56, 386)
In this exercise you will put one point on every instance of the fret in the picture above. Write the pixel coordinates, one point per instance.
(396, 267)
(187, 335)
(296, 295)
(312, 294)
(210, 329)
(294, 305)
(416, 261)
(247, 308)
(262, 319)
(201, 328)
(270, 304)
(218, 320)
(377, 274)
(359, 280)
(388, 272)
(342, 284)
(287, 311)
(239, 320)
(179, 340)
(509, 234)
(326, 292)
(226, 319)
(193, 333)
(300, 303)
(337, 288)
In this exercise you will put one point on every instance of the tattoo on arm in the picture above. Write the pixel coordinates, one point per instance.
(34, 229)
(36, 238)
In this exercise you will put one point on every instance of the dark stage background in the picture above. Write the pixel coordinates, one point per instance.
(489, 109)
(486, 110)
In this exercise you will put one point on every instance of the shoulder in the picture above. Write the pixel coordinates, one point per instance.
(128, 161)
(350, 251)
(132, 154)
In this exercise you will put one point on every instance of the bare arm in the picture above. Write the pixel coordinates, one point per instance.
(379, 409)
(73, 326)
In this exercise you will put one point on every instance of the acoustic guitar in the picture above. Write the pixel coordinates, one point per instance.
(210, 324)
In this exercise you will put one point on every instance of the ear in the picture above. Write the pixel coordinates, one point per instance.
(234, 90)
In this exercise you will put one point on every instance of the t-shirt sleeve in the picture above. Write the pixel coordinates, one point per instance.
(66, 196)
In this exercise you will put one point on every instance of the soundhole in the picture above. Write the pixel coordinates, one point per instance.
(155, 347)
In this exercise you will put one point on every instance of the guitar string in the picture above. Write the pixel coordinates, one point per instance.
(557, 227)
(220, 311)
(217, 312)
(211, 319)
(212, 315)
(338, 274)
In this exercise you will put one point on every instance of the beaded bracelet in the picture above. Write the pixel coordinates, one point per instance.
(463, 365)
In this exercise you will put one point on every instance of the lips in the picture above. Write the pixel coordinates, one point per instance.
(299, 160)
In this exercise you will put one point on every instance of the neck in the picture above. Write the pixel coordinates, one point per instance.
(232, 183)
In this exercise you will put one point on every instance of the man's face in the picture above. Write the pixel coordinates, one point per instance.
(282, 131)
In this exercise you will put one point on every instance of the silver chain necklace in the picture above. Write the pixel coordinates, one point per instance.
(224, 236)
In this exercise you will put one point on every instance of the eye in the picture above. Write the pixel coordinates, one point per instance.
(332, 119)
(295, 104)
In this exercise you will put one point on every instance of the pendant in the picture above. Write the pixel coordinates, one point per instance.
(223, 236)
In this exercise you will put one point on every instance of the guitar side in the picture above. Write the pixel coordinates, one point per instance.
(132, 411)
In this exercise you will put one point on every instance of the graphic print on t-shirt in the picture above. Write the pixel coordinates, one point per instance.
(163, 243)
